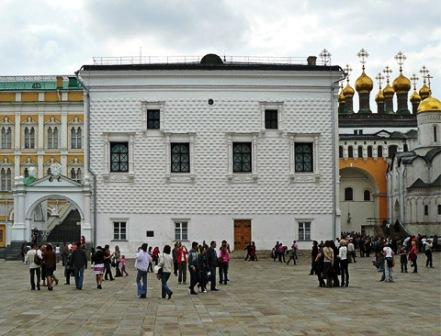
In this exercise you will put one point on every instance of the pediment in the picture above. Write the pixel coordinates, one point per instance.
(61, 182)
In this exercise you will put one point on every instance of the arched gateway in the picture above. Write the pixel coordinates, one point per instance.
(59, 197)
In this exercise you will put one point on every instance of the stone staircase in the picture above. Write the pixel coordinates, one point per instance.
(11, 252)
(54, 221)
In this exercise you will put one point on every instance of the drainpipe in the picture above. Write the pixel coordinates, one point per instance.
(87, 112)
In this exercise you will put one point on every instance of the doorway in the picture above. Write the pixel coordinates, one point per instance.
(242, 233)
(2, 235)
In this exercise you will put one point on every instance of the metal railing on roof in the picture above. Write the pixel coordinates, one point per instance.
(123, 60)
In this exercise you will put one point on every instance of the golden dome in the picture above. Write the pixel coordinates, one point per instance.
(388, 91)
(401, 83)
(430, 104)
(348, 91)
(424, 91)
(341, 97)
(379, 98)
(415, 97)
(364, 83)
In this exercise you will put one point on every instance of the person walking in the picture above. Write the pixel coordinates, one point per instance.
(107, 263)
(328, 261)
(50, 263)
(79, 264)
(428, 252)
(403, 259)
(314, 253)
(64, 252)
(224, 258)
(143, 260)
(388, 263)
(116, 258)
(166, 264)
(175, 258)
(123, 265)
(34, 258)
(181, 255)
(193, 260)
(68, 271)
(253, 254)
(98, 266)
(413, 256)
(212, 262)
(343, 257)
(293, 253)
(351, 251)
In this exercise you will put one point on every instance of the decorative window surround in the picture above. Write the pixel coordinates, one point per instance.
(119, 220)
(154, 105)
(300, 177)
(179, 233)
(272, 106)
(108, 176)
(304, 222)
(242, 137)
(177, 138)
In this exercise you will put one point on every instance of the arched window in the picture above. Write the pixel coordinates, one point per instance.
(26, 138)
(392, 151)
(55, 138)
(340, 151)
(75, 138)
(49, 171)
(9, 180)
(26, 172)
(49, 138)
(360, 152)
(79, 174)
(369, 151)
(435, 135)
(406, 148)
(350, 152)
(3, 180)
(349, 194)
(380, 151)
(6, 138)
(73, 175)
(32, 138)
(367, 195)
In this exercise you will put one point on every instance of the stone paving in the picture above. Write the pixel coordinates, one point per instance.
(263, 298)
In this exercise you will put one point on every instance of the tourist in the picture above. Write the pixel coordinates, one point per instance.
(428, 252)
(203, 267)
(343, 257)
(155, 255)
(193, 257)
(319, 266)
(107, 263)
(182, 263)
(150, 251)
(123, 265)
(68, 271)
(98, 266)
(143, 260)
(212, 263)
(79, 264)
(116, 258)
(64, 253)
(388, 263)
(336, 265)
(224, 258)
(413, 255)
(293, 253)
(281, 250)
(83, 242)
(314, 254)
(43, 266)
(328, 261)
(166, 264)
(351, 251)
(175, 259)
(403, 259)
(253, 254)
(34, 258)
(50, 263)
(275, 252)
(248, 249)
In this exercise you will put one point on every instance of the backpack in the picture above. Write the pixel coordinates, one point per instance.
(37, 260)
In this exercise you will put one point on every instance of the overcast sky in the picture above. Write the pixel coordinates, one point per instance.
(57, 37)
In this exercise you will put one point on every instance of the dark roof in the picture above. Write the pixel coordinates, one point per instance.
(376, 120)
(421, 184)
(375, 136)
(430, 155)
(223, 66)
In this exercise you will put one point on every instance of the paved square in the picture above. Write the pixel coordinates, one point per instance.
(263, 298)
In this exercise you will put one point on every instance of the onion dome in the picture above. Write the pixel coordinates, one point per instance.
(341, 97)
(430, 104)
(388, 91)
(379, 98)
(415, 97)
(401, 83)
(364, 83)
(424, 91)
(348, 91)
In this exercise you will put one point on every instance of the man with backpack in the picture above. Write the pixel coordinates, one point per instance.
(34, 258)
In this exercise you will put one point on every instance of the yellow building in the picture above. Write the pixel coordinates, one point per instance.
(41, 122)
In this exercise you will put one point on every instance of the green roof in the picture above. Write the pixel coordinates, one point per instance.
(37, 83)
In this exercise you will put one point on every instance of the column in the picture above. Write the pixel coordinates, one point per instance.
(40, 144)
(40, 168)
(17, 142)
(86, 227)
(63, 139)
(19, 229)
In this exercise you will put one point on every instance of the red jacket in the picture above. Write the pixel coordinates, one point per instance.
(181, 252)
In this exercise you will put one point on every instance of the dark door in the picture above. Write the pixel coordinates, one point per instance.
(242, 233)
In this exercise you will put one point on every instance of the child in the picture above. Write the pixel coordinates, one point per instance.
(122, 265)
(403, 259)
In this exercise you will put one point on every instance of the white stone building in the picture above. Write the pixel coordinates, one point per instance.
(212, 151)
(414, 177)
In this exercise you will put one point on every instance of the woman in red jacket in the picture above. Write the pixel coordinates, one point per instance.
(181, 256)
(413, 256)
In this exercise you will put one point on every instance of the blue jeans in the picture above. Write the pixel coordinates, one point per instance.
(165, 289)
(79, 277)
(142, 286)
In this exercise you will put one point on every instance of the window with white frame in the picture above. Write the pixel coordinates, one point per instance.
(6, 137)
(152, 117)
(119, 230)
(271, 119)
(5, 179)
(29, 137)
(242, 157)
(75, 138)
(118, 156)
(304, 230)
(52, 138)
(271, 115)
(179, 155)
(181, 230)
(304, 157)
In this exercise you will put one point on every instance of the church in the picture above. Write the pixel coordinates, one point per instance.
(213, 149)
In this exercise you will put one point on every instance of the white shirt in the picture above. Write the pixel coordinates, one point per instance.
(166, 262)
(30, 256)
(343, 253)
(351, 247)
(142, 261)
(388, 253)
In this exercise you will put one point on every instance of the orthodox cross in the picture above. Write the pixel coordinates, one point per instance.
(347, 71)
(387, 70)
(400, 58)
(414, 79)
(325, 55)
(429, 77)
(363, 55)
(380, 79)
(424, 73)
